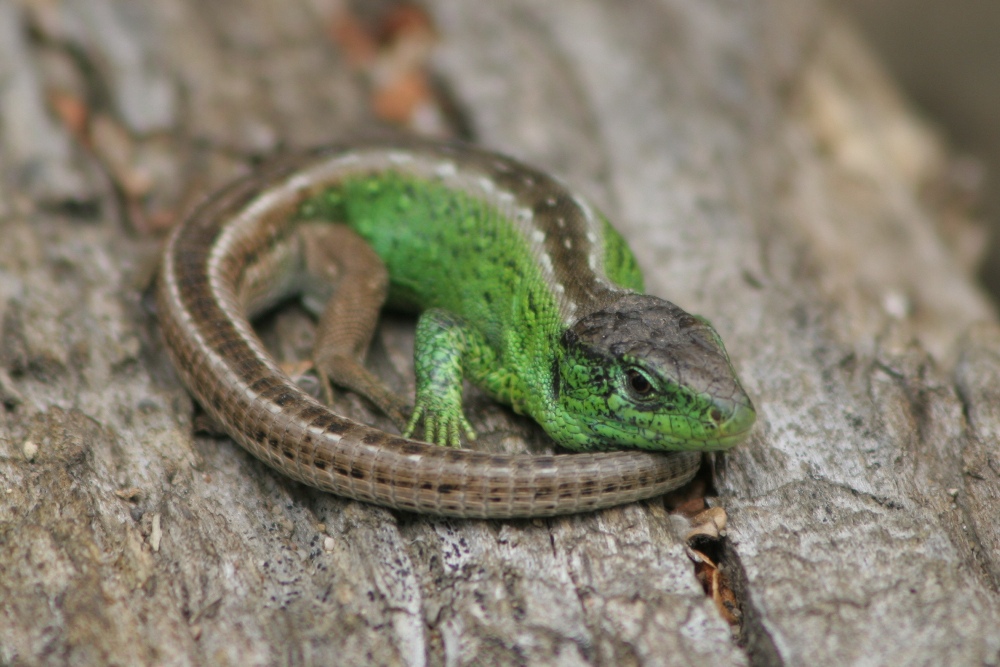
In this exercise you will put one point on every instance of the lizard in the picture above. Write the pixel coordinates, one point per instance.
(523, 288)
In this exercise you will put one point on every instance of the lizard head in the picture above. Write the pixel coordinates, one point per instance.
(644, 373)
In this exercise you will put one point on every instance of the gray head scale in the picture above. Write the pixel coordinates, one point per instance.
(642, 372)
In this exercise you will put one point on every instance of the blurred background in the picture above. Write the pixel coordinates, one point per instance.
(946, 55)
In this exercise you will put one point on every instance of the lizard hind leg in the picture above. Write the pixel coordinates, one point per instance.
(335, 255)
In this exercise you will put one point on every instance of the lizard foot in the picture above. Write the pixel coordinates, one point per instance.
(441, 427)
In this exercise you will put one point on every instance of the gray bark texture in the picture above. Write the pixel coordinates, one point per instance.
(767, 175)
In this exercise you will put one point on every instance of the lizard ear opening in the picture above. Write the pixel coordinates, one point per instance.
(569, 338)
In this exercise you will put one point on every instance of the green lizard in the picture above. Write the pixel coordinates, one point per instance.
(525, 290)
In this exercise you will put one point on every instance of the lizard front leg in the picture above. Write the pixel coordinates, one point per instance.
(444, 347)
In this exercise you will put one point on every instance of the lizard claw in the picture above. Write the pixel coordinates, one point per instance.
(440, 427)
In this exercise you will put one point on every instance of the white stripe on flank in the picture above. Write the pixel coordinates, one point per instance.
(445, 170)
(588, 212)
(399, 157)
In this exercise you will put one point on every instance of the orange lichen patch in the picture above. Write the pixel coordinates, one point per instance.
(393, 53)
(72, 111)
(402, 98)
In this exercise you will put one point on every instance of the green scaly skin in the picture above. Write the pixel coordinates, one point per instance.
(614, 369)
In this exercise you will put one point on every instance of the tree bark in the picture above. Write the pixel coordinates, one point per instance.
(768, 177)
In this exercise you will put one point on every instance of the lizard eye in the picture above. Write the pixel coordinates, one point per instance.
(638, 383)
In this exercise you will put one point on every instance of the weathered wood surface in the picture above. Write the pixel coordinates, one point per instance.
(767, 177)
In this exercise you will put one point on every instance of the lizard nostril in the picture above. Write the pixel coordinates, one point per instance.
(716, 415)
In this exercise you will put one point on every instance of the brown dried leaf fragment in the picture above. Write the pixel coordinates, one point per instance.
(716, 585)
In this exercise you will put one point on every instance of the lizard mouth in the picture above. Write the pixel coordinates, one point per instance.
(732, 424)
(738, 425)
